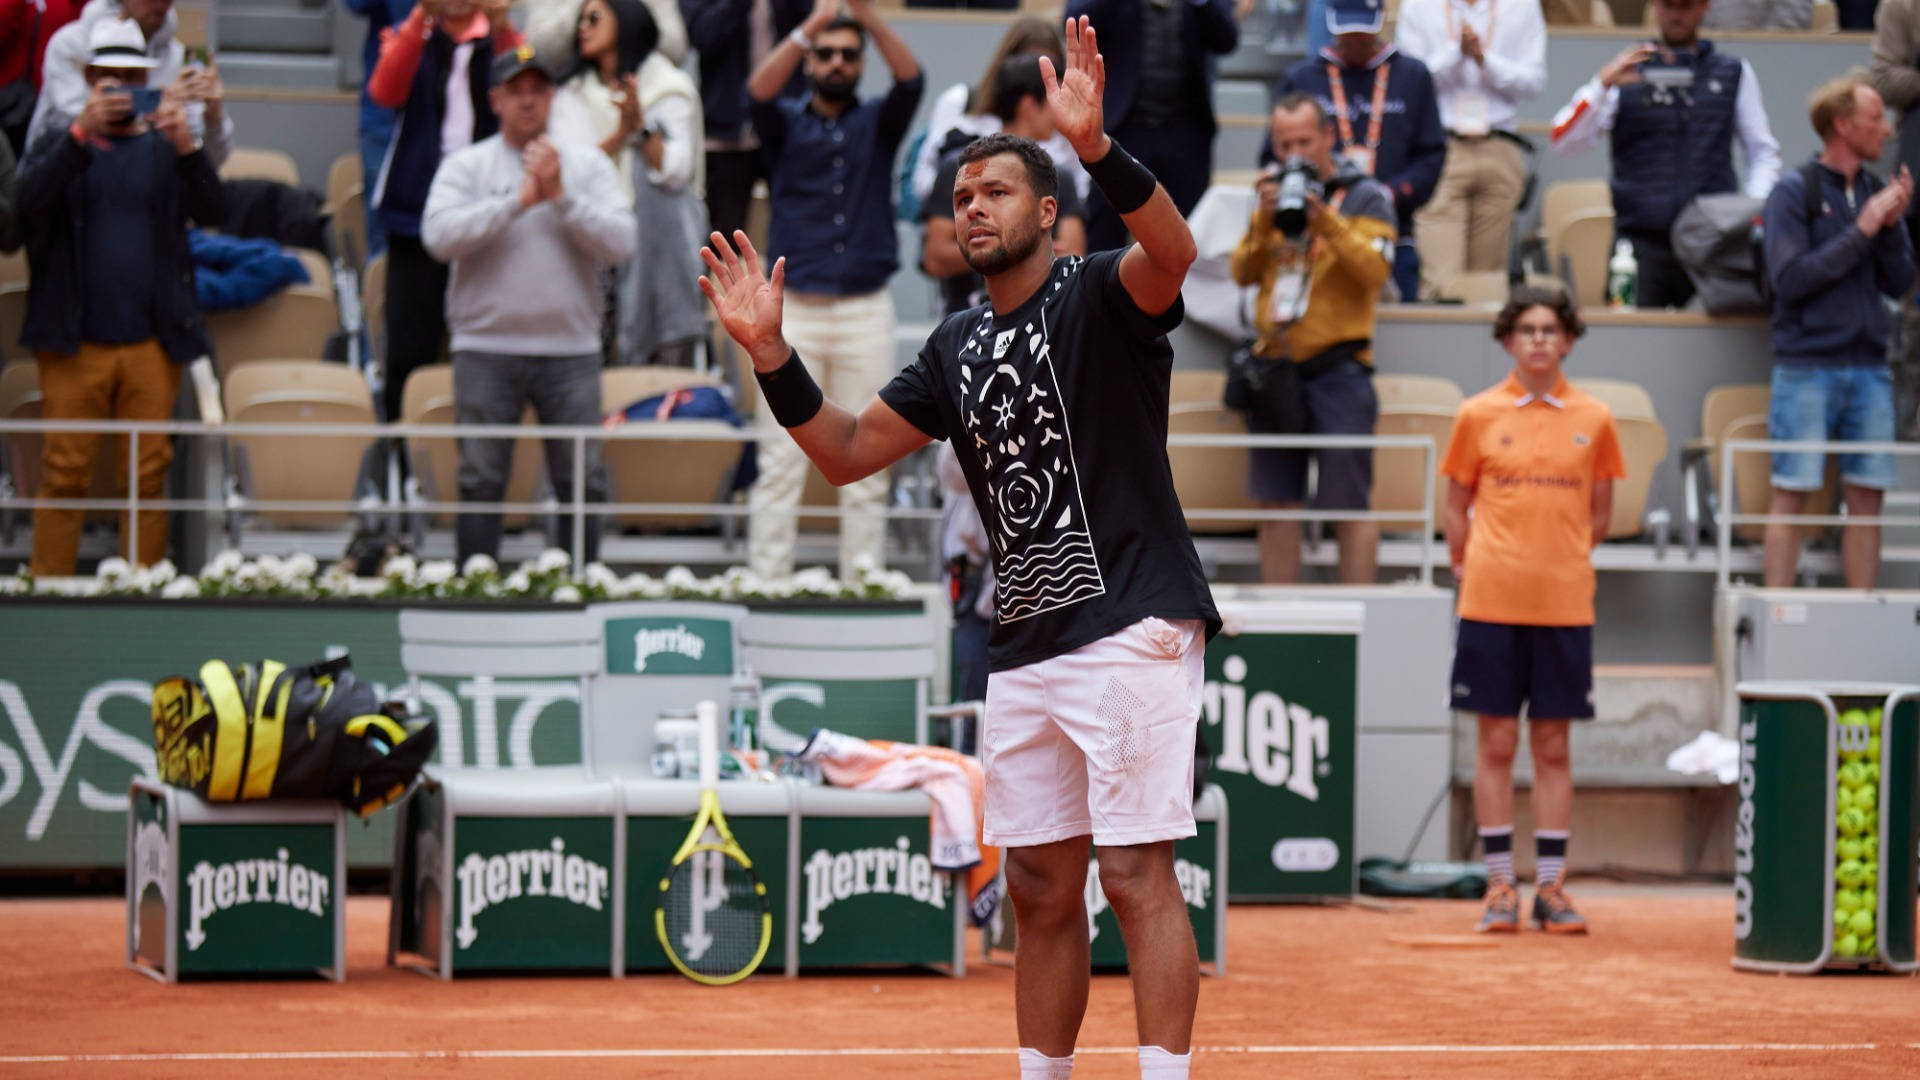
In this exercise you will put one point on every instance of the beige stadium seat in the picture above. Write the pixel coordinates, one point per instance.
(13, 267)
(1563, 199)
(258, 163)
(1424, 390)
(1210, 477)
(1197, 387)
(319, 269)
(1579, 252)
(13, 314)
(1624, 398)
(428, 399)
(1643, 445)
(303, 395)
(20, 451)
(373, 304)
(663, 472)
(350, 227)
(1602, 14)
(1753, 480)
(1826, 17)
(344, 176)
(293, 324)
(1400, 473)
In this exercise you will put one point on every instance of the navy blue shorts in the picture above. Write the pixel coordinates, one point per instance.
(1498, 667)
(1339, 402)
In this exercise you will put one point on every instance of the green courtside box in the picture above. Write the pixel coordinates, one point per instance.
(1828, 826)
(508, 869)
(234, 888)
(863, 890)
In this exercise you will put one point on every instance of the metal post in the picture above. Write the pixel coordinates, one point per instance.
(579, 506)
(132, 538)
(1430, 460)
(1723, 574)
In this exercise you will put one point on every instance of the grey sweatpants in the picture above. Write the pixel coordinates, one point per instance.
(489, 388)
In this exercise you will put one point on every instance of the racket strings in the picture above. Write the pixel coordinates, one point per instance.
(713, 912)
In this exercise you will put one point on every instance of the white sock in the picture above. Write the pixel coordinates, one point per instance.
(1035, 1065)
(1157, 1064)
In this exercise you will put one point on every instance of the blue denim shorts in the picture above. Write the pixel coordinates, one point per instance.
(1841, 403)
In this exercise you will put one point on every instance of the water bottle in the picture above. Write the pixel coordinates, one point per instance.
(1623, 276)
(743, 695)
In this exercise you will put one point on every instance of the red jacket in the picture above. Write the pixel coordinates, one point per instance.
(16, 20)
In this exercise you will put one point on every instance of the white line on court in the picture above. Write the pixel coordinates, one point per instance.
(947, 1051)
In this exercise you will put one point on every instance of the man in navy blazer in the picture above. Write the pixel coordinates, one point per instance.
(1159, 99)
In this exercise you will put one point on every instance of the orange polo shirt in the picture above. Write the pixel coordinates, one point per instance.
(1531, 462)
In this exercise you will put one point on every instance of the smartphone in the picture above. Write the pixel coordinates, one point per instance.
(146, 99)
(198, 56)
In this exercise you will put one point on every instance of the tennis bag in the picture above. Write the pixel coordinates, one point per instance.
(267, 730)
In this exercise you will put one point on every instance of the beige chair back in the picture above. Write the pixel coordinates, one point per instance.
(344, 176)
(350, 221)
(1643, 446)
(1400, 473)
(1826, 17)
(259, 163)
(13, 267)
(1585, 243)
(292, 324)
(654, 471)
(319, 270)
(1623, 397)
(1394, 390)
(1562, 199)
(1196, 387)
(1210, 477)
(1602, 14)
(303, 396)
(373, 304)
(427, 398)
(1753, 480)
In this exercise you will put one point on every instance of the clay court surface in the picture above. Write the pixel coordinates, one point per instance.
(1310, 992)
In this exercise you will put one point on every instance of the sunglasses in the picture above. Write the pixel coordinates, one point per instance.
(826, 53)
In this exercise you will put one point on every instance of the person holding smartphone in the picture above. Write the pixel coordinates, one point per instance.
(111, 312)
(1674, 108)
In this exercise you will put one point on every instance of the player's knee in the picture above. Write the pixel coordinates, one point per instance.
(1133, 879)
(1041, 893)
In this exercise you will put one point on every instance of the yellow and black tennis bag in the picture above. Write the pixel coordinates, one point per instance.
(267, 730)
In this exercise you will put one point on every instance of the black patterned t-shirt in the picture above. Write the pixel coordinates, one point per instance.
(1058, 413)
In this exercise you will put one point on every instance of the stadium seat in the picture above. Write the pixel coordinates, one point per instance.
(13, 267)
(1411, 405)
(1580, 250)
(344, 177)
(1197, 387)
(1826, 17)
(428, 399)
(1643, 445)
(1210, 477)
(651, 471)
(869, 676)
(1564, 198)
(13, 313)
(373, 305)
(299, 394)
(293, 324)
(1602, 15)
(349, 228)
(258, 163)
(319, 269)
(1700, 456)
(1421, 390)
(20, 452)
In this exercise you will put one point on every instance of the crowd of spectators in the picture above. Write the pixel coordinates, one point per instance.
(510, 238)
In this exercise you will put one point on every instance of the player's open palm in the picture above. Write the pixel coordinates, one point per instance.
(1074, 96)
(747, 301)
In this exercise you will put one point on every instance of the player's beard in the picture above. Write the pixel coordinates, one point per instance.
(1010, 252)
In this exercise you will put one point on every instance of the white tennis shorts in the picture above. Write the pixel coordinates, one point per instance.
(1098, 740)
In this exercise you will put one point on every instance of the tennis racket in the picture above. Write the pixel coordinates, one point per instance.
(713, 919)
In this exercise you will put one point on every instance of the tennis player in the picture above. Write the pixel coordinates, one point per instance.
(1054, 394)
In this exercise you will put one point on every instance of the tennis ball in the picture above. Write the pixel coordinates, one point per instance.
(1852, 774)
(1873, 771)
(1872, 827)
(1869, 901)
(1873, 720)
(1852, 821)
(1845, 902)
(1873, 748)
(1841, 920)
(1864, 947)
(1843, 797)
(1870, 848)
(1848, 848)
(1865, 796)
(1860, 923)
(1854, 717)
(1870, 875)
(1848, 945)
(1852, 874)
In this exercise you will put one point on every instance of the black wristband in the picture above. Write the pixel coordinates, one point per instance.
(790, 392)
(1126, 183)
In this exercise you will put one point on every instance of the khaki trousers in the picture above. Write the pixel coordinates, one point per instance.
(102, 382)
(1468, 224)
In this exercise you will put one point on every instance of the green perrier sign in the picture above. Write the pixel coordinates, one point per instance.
(669, 646)
(1279, 714)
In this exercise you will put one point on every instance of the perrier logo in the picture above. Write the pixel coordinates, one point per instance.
(489, 880)
(1278, 742)
(213, 888)
(836, 876)
(677, 640)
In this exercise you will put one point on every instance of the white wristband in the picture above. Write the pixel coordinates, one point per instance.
(800, 39)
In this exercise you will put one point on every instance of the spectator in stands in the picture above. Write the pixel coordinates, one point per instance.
(9, 209)
(627, 98)
(1761, 15)
(1530, 472)
(25, 28)
(527, 225)
(376, 120)
(1159, 96)
(964, 109)
(1836, 246)
(1896, 74)
(733, 38)
(1672, 109)
(1487, 59)
(1314, 314)
(1020, 108)
(1857, 14)
(553, 28)
(105, 198)
(831, 156)
(433, 72)
(1361, 80)
(64, 88)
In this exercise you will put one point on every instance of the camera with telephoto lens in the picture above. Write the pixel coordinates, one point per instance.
(1300, 181)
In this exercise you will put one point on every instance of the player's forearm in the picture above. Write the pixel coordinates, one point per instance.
(829, 441)
(1162, 233)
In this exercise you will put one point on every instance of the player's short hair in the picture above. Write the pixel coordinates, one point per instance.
(1017, 80)
(1294, 100)
(1533, 296)
(1041, 176)
(1835, 98)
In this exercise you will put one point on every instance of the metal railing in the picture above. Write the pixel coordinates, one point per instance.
(1727, 520)
(577, 510)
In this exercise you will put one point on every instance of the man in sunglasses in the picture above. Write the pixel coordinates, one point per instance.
(830, 158)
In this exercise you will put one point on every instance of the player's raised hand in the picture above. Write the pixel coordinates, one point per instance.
(1074, 96)
(746, 299)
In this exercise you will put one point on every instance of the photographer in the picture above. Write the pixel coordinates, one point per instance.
(1319, 247)
(1673, 109)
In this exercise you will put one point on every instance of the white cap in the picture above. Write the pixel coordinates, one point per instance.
(118, 43)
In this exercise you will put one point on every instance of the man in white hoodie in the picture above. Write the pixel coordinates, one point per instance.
(64, 89)
(527, 226)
